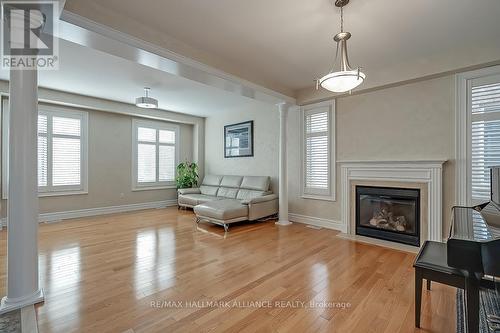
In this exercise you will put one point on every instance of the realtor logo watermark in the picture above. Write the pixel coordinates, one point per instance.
(28, 35)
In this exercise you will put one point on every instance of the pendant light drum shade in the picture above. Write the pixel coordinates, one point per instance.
(146, 102)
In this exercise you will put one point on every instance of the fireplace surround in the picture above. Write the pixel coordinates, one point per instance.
(388, 213)
(426, 175)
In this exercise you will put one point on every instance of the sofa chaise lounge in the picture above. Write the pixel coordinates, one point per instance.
(227, 199)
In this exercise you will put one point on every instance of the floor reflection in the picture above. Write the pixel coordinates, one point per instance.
(60, 271)
(154, 265)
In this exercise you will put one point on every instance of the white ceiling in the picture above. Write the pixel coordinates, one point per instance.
(89, 72)
(290, 42)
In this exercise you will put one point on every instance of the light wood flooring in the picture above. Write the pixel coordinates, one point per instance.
(155, 271)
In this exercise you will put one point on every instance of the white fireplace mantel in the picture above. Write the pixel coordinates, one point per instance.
(423, 172)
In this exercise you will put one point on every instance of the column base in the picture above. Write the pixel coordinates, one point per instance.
(283, 223)
(9, 304)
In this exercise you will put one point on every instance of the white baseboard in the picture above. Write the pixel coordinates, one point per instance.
(316, 221)
(73, 214)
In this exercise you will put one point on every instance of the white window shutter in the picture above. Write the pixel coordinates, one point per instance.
(146, 163)
(156, 154)
(166, 164)
(318, 151)
(42, 161)
(66, 162)
(42, 151)
(485, 136)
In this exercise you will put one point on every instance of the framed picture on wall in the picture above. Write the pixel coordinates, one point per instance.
(238, 140)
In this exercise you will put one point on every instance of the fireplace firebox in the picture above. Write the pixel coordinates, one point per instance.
(387, 213)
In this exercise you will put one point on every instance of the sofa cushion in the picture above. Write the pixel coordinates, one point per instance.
(222, 209)
(208, 190)
(227, 192)
(212, 180)
(195, 199)
(244, 194)
(231, 181)
(259, 183)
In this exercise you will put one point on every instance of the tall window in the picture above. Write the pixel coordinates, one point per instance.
(318, 151)
(62, 151)
(155, 154)
(484, 108)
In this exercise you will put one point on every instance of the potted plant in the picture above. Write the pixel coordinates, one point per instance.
(186, 175)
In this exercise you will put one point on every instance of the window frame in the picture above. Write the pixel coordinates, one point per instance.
(50, 111)
(157, 125)
(311, 193)
(463, 131)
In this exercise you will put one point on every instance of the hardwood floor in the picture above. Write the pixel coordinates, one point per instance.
(144, 271)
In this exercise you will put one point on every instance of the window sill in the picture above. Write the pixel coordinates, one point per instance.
(60, 194)
(318, 197)
(152, 188)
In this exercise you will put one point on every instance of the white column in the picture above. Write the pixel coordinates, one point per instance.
(22, 215)
(283, 176)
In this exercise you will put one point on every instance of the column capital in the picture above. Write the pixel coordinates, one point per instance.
(284, 106)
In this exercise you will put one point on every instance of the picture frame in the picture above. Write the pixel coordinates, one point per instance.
(238, 140)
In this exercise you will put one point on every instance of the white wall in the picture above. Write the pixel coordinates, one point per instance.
(266, 143)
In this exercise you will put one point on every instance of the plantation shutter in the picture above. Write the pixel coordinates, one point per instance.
(156, 156)
(146, 155)
(66, 151)
(166, 158)
(60, 148)
(42, 151)
(485, 133)
(317, 158)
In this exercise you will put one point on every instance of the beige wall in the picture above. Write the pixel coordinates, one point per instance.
(110, 154)
(110, 167)
(409, 122)
(266, 136)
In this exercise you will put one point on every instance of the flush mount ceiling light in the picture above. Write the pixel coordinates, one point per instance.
(146, 102)
(346, 78)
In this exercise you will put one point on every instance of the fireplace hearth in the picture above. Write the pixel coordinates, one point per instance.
(388, 213)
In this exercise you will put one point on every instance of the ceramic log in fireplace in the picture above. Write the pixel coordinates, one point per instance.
(387, 213)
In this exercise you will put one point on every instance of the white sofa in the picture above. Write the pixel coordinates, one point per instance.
(227, 199)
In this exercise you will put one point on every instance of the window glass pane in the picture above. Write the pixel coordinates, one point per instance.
(317, 162)
(146, 134)
(317, 122)
(42, 161)
(167, 163)
(66, 164)
(167, 136)
(66, 126)
(146, 163)
(42, 124)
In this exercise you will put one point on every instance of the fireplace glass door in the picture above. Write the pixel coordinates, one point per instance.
(388, 213)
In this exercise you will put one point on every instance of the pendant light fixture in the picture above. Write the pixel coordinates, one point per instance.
(346, 78)
(146, 102)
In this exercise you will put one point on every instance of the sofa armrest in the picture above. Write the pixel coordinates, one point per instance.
(263, 198)
(189, 191)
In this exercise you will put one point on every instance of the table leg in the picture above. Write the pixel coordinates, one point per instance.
(418, 296)
(472, 303)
